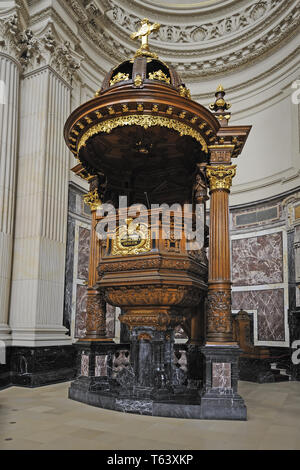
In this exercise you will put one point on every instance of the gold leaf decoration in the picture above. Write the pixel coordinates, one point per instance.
(144, 121)
(119, 77)
(159, 75)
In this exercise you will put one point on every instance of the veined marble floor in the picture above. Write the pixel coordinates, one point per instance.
(44, 418)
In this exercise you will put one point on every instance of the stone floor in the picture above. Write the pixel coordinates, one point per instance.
(44, 418)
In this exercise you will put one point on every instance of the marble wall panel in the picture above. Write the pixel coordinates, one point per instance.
(269, 304)
(85, 365)
(110, 320)
(257, 260)
(101, 365)
(83, 253)
(69, 274)
(81, 294)
(221, 375)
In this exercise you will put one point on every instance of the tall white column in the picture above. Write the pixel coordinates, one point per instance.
(37, 294)
(9, 109)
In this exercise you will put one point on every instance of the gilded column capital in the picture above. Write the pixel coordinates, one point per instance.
(220, 176)
(92, 199)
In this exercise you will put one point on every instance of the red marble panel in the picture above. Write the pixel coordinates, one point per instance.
(80, 315)
(110, 320)
(257, 260)
(83, 253)
(269, 304)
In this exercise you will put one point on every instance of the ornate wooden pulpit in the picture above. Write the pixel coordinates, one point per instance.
(144, 144)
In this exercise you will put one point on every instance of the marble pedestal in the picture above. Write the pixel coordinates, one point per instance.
(219, 397)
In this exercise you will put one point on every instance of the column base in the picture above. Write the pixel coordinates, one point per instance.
(5, 334)
(219, 407)
(219, 397)
(40, 337)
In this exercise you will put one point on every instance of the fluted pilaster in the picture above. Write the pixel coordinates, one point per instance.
(41, 212)
(9, 109)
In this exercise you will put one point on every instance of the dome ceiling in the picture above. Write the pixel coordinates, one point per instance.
(200, 38)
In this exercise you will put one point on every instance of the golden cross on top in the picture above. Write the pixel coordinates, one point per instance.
(145, 30)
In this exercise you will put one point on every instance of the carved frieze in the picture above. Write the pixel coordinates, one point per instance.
(197, 266)
(96, 313)
(237, 25)
(10, 36)
(161, 320)
(219, 319)
(170, 295)
(204, 31)
(220, 176)
(34, 51)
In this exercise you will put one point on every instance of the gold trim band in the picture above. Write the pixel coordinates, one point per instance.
(143, 121)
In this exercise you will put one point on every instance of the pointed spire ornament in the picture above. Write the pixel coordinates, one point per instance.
(221, 106)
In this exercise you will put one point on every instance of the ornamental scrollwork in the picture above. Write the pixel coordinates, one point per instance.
(219, 318)
(95, 313)
(205, 31)
(220, 176)
(92, 199)
(34, 51)
(159, 75)
(145, 121)
(119, 77)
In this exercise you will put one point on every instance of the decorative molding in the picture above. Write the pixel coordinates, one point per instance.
(218, 45)
(220, 176)
(34, 51)
(10, 36)
(47, 49)
(144, 121)
(238, 21)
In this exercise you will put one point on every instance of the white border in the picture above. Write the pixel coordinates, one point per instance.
(76, 281)
(80, 282)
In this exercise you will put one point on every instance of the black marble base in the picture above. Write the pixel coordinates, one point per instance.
(36, 366)
(5, 374)
(106, 378)
(256, 370)
(188, 405)
(224, 407)
(173, 407)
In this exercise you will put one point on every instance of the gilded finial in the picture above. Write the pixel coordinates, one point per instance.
(143, 33)
(92, 199)
(221, 106)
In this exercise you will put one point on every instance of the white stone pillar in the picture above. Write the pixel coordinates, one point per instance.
(9, 110)
(37, 295)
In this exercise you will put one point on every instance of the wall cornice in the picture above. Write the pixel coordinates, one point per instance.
(33, 51)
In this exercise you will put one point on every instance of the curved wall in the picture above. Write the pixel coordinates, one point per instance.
(251, 47)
